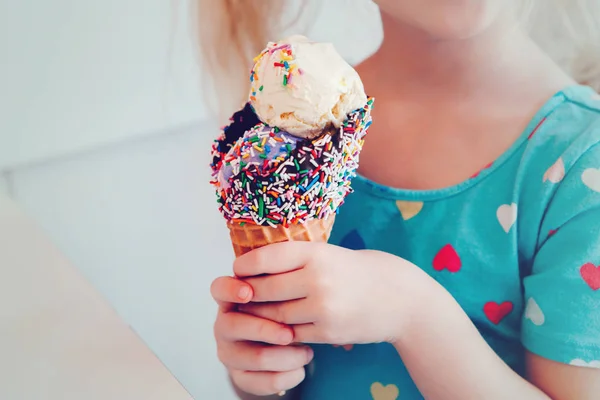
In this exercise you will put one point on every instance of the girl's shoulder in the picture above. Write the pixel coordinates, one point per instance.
(558, 190)
(564, 138)
(570, 124)
(558, 177)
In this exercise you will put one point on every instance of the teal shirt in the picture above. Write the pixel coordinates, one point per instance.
(517, 245)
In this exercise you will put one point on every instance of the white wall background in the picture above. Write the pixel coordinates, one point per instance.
(3, 185)
(104, 137)
(87, 73)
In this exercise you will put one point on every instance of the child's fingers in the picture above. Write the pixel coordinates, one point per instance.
(280, 287)
(234, 326)
(230, 290)
(258, 357)
(267, 383)
(289, 313)
(274, 259)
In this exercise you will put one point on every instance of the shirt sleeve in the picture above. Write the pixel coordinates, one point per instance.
(561, 321)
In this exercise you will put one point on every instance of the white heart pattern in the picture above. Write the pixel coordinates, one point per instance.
(507, 216)
(591, 178)
(578, 362)
(556, 172)
(534, 313)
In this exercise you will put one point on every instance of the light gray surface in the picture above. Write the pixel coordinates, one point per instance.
(140, 221)
(4, 188)
(59, 339)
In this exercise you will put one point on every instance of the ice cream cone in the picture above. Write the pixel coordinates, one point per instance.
(284, 165)
(249, 237)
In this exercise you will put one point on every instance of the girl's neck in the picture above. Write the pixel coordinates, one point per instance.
(482, 92)
(422, 65)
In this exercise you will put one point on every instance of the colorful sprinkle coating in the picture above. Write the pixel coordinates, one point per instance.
(265, 176)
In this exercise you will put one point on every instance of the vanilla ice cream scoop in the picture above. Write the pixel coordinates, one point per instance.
(303, 87)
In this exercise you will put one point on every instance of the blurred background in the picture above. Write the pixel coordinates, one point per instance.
(104, 142)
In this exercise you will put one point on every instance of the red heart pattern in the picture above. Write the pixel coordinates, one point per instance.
(447, 258)
(591, 275)
(497, 312)
(346, 347)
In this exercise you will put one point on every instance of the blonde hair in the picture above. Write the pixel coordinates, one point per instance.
(232, 32)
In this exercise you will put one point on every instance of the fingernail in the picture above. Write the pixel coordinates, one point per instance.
(286, 336)
(244, 292)
(309, 354)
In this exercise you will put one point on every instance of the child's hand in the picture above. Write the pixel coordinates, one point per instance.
(333, 295)
(254, 350)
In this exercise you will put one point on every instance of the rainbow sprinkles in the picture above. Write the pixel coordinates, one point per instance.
(286, 63)
(266, 176)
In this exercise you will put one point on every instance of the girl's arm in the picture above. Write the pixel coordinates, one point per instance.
(448, 359)
(562, 381)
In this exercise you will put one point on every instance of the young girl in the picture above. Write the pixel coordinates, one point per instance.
(466, 263)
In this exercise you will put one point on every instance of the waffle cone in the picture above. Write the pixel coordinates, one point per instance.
(250, 237)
